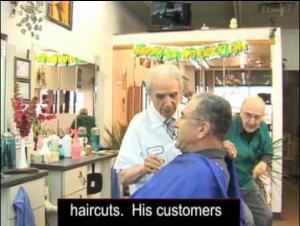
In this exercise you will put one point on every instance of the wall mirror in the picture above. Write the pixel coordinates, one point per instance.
(4, 81)
(69, 82)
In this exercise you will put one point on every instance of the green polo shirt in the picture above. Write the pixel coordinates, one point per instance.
(251, 148)
(86, 121)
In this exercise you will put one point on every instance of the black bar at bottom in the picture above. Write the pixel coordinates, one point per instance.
(150, 211)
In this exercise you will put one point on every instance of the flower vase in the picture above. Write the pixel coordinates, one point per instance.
(21, 160)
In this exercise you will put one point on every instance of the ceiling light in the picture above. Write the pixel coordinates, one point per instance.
(196, 64)
(204, 64)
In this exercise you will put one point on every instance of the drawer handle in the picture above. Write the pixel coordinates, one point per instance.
(82, 178)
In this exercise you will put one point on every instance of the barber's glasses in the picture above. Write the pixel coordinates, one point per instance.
(250, 115)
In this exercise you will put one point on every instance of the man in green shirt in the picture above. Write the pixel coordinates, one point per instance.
(251, 137)
(84, 120)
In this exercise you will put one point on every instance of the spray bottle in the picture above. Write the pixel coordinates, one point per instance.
(76, 147)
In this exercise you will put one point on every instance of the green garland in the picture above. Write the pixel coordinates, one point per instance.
(196, 53)
(58, 59)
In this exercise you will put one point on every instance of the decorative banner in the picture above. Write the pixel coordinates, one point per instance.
(195, 53)
(58, 59)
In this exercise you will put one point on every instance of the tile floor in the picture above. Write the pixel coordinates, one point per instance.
(290, 203)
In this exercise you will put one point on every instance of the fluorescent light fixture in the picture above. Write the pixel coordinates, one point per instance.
(205, 64)
(196, 64)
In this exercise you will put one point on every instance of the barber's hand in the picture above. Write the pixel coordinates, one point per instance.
(153, 163)
(230, 149)
(259, 169)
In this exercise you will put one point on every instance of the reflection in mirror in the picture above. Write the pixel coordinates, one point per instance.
(70, 83)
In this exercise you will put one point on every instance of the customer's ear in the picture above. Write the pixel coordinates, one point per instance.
(204, 128)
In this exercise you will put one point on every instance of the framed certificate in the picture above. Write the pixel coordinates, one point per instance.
(22, 68)
(24, 89)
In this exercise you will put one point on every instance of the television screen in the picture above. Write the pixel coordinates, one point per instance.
(171, 14)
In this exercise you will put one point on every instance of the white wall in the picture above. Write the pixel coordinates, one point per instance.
(290, 48)
(193, 36)
(94, 24)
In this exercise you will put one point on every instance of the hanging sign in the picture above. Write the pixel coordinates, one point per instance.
(194, 53)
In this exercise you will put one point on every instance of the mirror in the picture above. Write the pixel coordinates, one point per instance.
(4, 82)
(69, 82)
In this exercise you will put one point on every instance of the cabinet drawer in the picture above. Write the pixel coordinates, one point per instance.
(77, 195)
(35, 192)
(39, 216)
(74, 180)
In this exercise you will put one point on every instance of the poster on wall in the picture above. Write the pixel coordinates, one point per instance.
(61, 13)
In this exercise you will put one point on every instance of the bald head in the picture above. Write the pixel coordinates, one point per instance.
(252, 112)
(254, 104)
(83, 111)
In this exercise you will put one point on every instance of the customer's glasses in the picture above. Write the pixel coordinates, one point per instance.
(182, 116)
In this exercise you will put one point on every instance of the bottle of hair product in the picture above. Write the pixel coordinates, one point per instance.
(95, 139)
(76, 147)
(60, 149)
(66, 145)
(54, 142)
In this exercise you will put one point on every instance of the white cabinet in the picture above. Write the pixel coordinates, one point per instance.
(74, 180)
(67, 184)
(68, 78)
(68, 179)
(51, 77)
(36, 194)
(78, 195)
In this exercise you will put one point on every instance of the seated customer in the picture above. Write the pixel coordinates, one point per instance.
(201, 171)
(84, 120)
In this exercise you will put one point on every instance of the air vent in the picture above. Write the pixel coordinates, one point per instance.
(276, 7)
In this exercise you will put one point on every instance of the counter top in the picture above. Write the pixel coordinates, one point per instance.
(10, 180)
(68, 163)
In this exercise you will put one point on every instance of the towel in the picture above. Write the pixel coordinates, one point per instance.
(115, 184)
(24, 212)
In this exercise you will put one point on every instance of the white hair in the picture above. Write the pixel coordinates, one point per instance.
(168, 70)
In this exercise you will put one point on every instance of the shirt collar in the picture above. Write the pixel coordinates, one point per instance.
(213, 153)
(156, 119)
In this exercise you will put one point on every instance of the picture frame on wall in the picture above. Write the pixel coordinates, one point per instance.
(61, 13)
(24, 89)
(22, 68)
